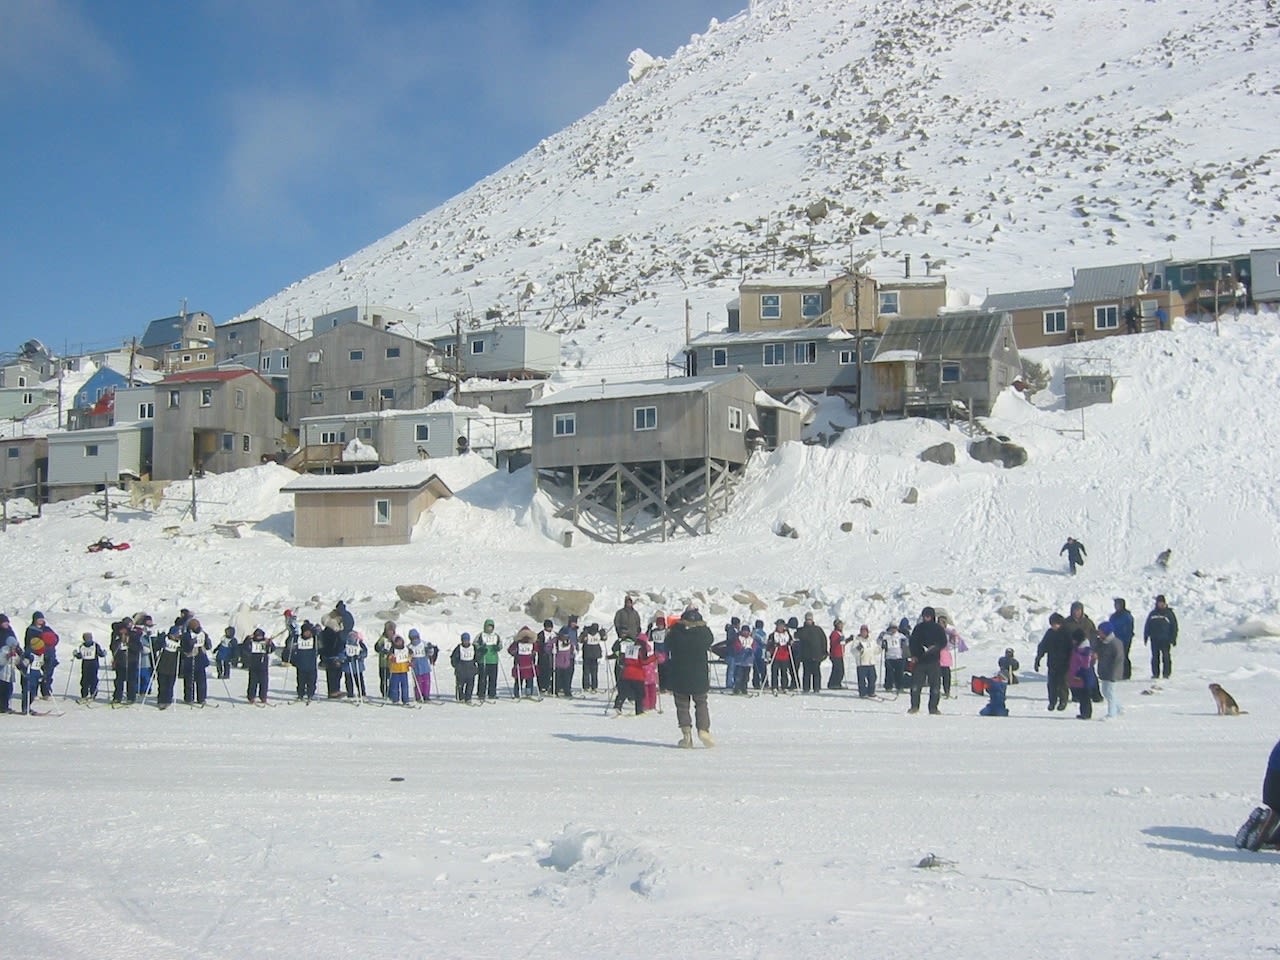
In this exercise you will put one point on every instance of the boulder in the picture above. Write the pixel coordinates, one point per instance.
(846, 527)
(992, 450)
(786, 530)
(558, 604)
(750, 600)
(1008, 611)
(912, 496)
(416, 593)
(940, 453)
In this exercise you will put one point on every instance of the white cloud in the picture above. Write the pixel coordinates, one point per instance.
(47, 43)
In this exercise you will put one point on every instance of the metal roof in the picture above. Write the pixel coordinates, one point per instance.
(399, 477)
(952, 336)
(725, 338)
(1027, 299)
(1094, 284)
(633, 388)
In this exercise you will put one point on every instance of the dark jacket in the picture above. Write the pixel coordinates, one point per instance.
(626, 623)
(1056, 645)
(688, 644)
(927, 642)
(1161, 627)
(812, 642)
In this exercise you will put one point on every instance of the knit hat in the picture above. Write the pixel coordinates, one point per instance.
(928, 612)
(414, 635)
(759, 624)
(691, 615)
(904, 625)
(547, 622)
(808, 617)
(792, 623)
(40, 616)
(1105, 628)
(744, 630)
(1159, 599)
(288, 613)
(488, 623)
(466, 638)
(779, 622)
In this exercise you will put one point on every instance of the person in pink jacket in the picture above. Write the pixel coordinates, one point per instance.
(524, 670)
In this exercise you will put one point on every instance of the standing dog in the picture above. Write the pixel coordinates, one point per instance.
(1227, 706)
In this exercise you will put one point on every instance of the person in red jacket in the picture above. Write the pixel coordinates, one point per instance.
(524, 651)
(634, 656)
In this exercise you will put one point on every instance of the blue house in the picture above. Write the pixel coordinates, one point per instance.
(101, 384)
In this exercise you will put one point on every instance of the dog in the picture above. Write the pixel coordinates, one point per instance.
(1227, 706)
(144, 492)
(1163, 557)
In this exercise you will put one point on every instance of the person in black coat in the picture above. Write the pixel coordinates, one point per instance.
(688, 645)
(1161, 631)
(927, 642)
(304, 660)
(1075, 552)
(168, 649)
(1055, 645)
(257, 652)
(811, 641)
(333, 647)
(90, 654)
(195, 662)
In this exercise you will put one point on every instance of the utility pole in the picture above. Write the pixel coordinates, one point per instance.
(133, 359)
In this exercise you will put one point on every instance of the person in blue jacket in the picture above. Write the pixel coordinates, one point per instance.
(1161, 631)
(1122, 626)
(759, 655)
(305, 661)
(1263, 826)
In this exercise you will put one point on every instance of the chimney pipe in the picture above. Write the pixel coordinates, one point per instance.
(906, 260)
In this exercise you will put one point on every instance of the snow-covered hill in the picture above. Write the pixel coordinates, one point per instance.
(1012, 140)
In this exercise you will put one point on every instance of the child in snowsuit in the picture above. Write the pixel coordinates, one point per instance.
(634, 656)
(524, 669)
(305, 662)
(257, 660)
(1009, 666)
(463, 660)
(225, 654)
(399, 663)
(90, 655)
(355, 652)
(422, 658)
(592, 651)
(996, 690)
(10, 662)
(1080, 675)
(488, 646)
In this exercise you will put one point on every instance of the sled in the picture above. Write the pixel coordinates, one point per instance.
(106, 544)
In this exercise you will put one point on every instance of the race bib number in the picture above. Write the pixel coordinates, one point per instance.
(524, 648)
(400, 656)
(630, 651)
(258, 646)
(306, 643)
(564, 644)
(353, 650)
(171, 645)
(466, 653)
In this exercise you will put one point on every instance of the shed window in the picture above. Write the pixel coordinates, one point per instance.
(393, 353)
(284, 361)
(228, 442)
(202, 357)
(332, 436)
(847, 357)
(1106, 318)
(775, 354)
(951, 373)
(566, 424)
(1055, 321)
(355, 356)
(806, 352)
(646, 418)
(206, 396)
(770, 306)
(14, 453)
(421, 432)
(355, 395)
(719, 357)
(477, 346)
(381, 512)
(888, 302)
(810, 305)
(90, 449)
(735, 419)
(28, 399)
(146, 411)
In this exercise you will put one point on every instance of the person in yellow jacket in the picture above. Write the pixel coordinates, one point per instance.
(399, 663)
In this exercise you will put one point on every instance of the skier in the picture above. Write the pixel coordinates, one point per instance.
(90, 654)
(657, 634)
(170, 648)
(566, 655)
(354, 653)
(195, 663)
(257, 660)
(399, 662)
(382, 647)
(633, 656)
(118, 646)
(43, 641)
(688, 644)
(592, 651)
(782, 674)
(304, 660)
(524, 671)
(142, 654)
(333, 654)
(463, 660)
(10, 662)
(868, 654)
(759, 655)
(927, 642)
(1075, 552)
(1161, 631)
(1263, 826)
(895, 663)
(741, 658)
(224, 655)
(488, 646)
(545, 644)
(423, 658)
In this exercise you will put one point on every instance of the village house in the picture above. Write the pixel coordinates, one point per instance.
(637, 459)
(88, 461)
(379, 508)
(179, 342)
(24, 466)
(213, 421)
(255, 344)
(1094, 306)
(1264, 271)
(394, 436)
(812, 360)
(854, 301)
(94, 403)
(1205, 286)
(19, 403)
(953, 365)
(502, 352)
(499, 396)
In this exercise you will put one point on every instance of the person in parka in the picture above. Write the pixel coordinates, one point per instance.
(1075, 552)
(90, 654)
(488, 646)
(195, 662)
(168, 653)
(463, 660)
(1081, 677)
(1122, 624)
(257, 652)
(928, 639)
(1161, 631)
(305, 660)
(626, 622)
(1110, 667)
(524, 667)
(688, 644)
(632, 657)
(811, 644)
(10, 662)
(1056, 646)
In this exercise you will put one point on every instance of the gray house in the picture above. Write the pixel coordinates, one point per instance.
(251, 343)
(24, 464)
(781, 362)
(380, 508)
(18, 403)
(170, 339)
(632, 460)
(1264, 274)
(86, 461)
(215, 421)
(941, 366)
(396, 435)
(354, 368)
(501, 352)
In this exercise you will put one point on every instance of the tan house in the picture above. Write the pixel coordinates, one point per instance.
(379, 508)
(851, 301)
(213, 421)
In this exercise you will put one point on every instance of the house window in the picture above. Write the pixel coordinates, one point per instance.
(421, 433)
(810, 305)
(239, 398)
(1055, 321)
(22, 381)
(317, 396)
(315, 356)
(146, 411)
(97, 394)
(202, 327)
(206, 396)
(174, 396)
(228, 442)
(806, 352)
(355, 355)
(332, 436)
(951, 373)
(233, 334)
(1106, 318)
(381, 512)
(387, 393)
(265, 363)
(28, 399)
(284, 361)
(477, 347)
(393, 353)
(645, 418)
(13, 452)
(186, 358)
(847, 357)
(775, 354)
(355, 395)
(450, 349)
(888, 303)
(177, 345)
(202, 356)
(364, 433)
(735, 419)
(90, 449)
(566, 424)
(246, 444)
(770, 306)
(719, 357)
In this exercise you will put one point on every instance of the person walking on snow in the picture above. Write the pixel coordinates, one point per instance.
(1075, 552)
(688, 644)
(1056, 646)
(488, 644)
(1161, 631)
(927, 642)
(1122, 625)
(1110, 667)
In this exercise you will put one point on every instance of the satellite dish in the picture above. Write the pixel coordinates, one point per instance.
(474, 323)
(32, 347)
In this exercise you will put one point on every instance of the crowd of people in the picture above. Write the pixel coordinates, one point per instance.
(145, 662)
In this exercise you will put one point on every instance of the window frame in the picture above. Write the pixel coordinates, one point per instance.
(90, 450)
(644, 418)
(736, 420)
(950, 367)
(1106, 316)
(382, 511)
(770, 306)
(146, 410)
(810, 305)
(778, 351)
(206, 397)
(1058, 317)
(355, 355)
(393, 353)
(477, 346)
(719, 357)
(422, 433)
(885, 297)
(355, 395)
(848, 357)
(804, 352)
(564, 425)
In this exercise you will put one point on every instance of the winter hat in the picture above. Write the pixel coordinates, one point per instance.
(488, 623)
(4, 618)
(928, 613)
(865, 629)
(904, 625)
(288, 613)
(1105, 628)
(466, 638)
(759, 624)
(40, 616)
(414, 635)
(87, 637)
(735, 620)
(1055, 619)
(547, 622)
(779, 622)
(573, 618)
(1077, 605)
(744, 630)
(792, 623)
(808, 618)
(691, 615)
(1159, 599)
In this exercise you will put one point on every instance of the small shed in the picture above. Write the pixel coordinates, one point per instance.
(374, 509)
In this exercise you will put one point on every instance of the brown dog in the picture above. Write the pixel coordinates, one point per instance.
(1227, 706)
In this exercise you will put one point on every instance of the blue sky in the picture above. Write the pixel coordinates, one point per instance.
(218, 150)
